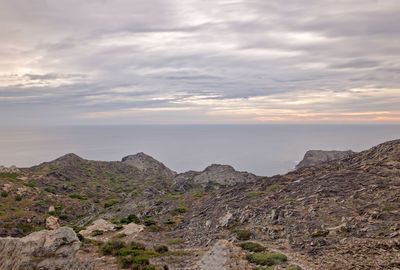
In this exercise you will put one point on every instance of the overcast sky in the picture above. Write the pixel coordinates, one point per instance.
(199, 61)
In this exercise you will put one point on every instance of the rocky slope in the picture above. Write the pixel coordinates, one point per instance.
(341, 214)
(316, 157)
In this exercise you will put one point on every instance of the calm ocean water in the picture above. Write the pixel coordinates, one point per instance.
(260, 149)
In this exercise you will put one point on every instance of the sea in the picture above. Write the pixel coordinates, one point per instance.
(264, 150)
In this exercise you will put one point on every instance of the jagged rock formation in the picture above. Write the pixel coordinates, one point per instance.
(223, 256)
(315, 157)
(224, 175)
(45, 250)
(148, 164)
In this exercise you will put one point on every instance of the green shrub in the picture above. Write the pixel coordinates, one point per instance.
(111, 247)
(125, 262)
(137, 246)
(266, 259)
(389, 208)
(120, 235)
(159, 202)
(243, 235)
(18, 198)
(197, 194)
(4, 194)
(179, 210)
(131, 218)
(273, 187)
(63, 216)
(141, 259)
(149, 222)
(154, 228)
(97, 233)
(161, 249)
(78, 196)
(251, 246)
(169, 222)
(175, 241)
(111, 202)
(319, 233)
(118, 227)
(293, 267)
(149, 267)
(51, 190)
(31, 183)
(173, 196)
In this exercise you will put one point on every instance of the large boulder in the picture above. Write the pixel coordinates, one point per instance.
(316, 157)
(148, 164)
(42, 250)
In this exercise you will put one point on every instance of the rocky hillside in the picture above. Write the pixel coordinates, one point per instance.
(342, 214)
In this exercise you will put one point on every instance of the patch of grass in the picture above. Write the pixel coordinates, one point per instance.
(31, 183)
(129, 219)
(290, 200)
(389, 208)
(293, 267)
(4, 194)
(154, 228)
(18, 198)
(161, 249)
(319, 234)
(51, 190)
(118, 227)
(273, 187)
(120, 235)
(197, 194)
(253, 194)
(266, 258)
(111, 202)
(169, 222)
(78, 196)
(90, 221)
(97, 233)
(159, 202)
(111, 247)
(149, 222)
(179, 210)
(13, 177)
(251, 246)
(243, 235)
(175, 241)
(173, 196)
(40, 203)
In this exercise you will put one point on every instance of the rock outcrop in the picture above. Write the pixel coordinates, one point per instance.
(316, 157)
(147, 163)
(42, 250)
(223, 175)
(223, 256)
(11, 169)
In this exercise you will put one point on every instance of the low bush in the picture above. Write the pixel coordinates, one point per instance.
(111, 202)
(179, 210)
(169, 222)
(4, 194)
(111, 247)
(149, 222)
(175, 241)
(78, 196)
(161, 249)
(266, 259)
(137, 246)
(293, 267)
(243, 235)
(251, 246)
(18, 198)
(51, 190)
(97, 233)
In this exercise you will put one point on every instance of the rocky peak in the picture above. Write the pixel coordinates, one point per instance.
(147, 163)
(65, 160)
(12, 169)
(224, 175)
(316, 157)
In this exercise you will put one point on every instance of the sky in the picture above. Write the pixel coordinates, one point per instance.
(199, 61)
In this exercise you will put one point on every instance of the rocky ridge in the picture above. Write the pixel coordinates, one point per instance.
(316, 157)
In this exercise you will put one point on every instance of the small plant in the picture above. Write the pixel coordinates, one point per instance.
(31, 183)
(169, 222)
(97, 233)
(18, 198)
(319, 233)
(63, 216)
(159, 202)
(251, 246)
(149, 222)
(253, 194)
(175, 241)
(179, 210)
(161, 249)
(4, 194)
(389, 208)
(243, 235)
(290, 200)
(197, 194)
(118, 227)
(266, 259)
(295, 267)
(78, 196)
(111, 202)
(173, 196)
(273, 187)
(137, 246)
(111, 247)
(120, 235)
(51, 190)
(154, 228)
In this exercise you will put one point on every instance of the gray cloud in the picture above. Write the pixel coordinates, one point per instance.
(219, 61)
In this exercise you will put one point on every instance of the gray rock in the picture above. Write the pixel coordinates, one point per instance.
(223, 175)
(147, 163)
(42, 250)
(316, 157)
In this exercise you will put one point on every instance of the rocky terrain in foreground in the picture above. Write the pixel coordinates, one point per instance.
(336, 211)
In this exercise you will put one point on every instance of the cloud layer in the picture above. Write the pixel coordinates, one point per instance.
(199, 61)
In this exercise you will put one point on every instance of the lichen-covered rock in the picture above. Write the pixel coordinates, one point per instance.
(223, 256)
(148, 164)
(42, 250)
(98, 225)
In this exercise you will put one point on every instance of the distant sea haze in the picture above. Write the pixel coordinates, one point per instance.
(260, 149)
